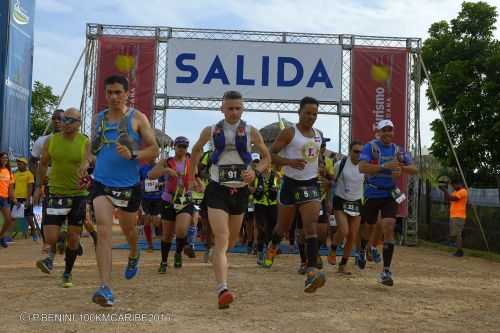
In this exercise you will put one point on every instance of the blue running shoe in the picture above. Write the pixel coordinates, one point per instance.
(375, 255)
(132, 267)
(3, 242)
(360, 260)
(386, 278)
(104, 297)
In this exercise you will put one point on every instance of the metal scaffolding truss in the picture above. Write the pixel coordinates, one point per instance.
(340, 111)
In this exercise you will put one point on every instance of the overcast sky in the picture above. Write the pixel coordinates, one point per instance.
(60, 36)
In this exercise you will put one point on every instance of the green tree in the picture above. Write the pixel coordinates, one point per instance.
(43, 102)
(463, 60)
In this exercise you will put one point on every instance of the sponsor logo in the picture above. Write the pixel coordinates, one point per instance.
(19, 14)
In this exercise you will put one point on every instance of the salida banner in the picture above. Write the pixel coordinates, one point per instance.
(259, 70)
(379, 91)
(134, 58)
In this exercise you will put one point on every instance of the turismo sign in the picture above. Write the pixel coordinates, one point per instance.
(259, 70)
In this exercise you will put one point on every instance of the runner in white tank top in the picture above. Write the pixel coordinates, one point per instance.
(300, 188)
(302, 147)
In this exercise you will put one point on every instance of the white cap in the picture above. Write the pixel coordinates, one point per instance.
(255, 156)
(384, 123)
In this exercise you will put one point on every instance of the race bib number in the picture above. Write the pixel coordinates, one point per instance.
(306, 193)
(119, 197)
(351, 208)
(310, 151)
(151, 185)
(398, 196)
(333, 222)
(231, 173)
(59, 206)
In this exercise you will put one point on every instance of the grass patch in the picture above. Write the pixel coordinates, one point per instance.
(493, 256)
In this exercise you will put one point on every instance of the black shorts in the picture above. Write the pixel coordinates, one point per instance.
(338, 203)
(233, 201)
(265, 214)
(290, 187)
(169, 213)
(132, 203)
(75, 215)
(387, 206)
(151, 206)
(28, 209)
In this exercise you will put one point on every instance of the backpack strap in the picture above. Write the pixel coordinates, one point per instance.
(341, 166)
(241, 142)
(219, 142)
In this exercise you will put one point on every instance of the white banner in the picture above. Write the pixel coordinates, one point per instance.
(259, 70)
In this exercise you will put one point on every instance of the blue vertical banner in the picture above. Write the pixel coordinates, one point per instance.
(15, 108)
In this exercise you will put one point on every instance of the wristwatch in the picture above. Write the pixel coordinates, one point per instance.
(133, 155)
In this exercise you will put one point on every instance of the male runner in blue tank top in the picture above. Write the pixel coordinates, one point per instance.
(118, 131)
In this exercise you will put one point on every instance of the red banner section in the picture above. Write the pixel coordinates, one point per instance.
(134, 58)
(379, 84)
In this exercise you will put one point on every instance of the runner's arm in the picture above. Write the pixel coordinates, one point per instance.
(197, 150)
(151, 150)
(265, 160)
(410, 169)
(160, 169)
(283, 139)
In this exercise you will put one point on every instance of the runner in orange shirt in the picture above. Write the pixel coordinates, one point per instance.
(458, 212)
(6, 194)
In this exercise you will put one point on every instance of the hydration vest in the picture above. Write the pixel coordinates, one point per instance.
(172, 181)
(240, 140)
(124, 139)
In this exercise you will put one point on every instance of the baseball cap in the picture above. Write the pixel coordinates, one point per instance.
(384, 123)
(181, 140)
(255, 157)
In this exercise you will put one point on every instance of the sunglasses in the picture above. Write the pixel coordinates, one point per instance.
(182, 146)
(69, 120)
(356, 151)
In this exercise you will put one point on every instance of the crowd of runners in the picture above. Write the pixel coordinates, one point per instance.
(223, 195)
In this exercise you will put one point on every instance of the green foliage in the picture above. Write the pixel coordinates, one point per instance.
(43, 102)
(463, 60)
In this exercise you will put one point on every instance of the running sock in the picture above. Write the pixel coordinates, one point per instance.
(221, 287)
(192, 233)
(302, 252)
(275, 239)
(51, 254)
(165, 249)
(260, 246)
(387, 254)
(364, 242)
(179, 244)
(312, 251)
(148, 232)
(70, 258)
(343, 261)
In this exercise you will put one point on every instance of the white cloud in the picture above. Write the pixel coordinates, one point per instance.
(53, 6)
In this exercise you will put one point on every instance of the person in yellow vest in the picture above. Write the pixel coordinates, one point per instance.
(265, 193)
(24, 192)
(67, 153)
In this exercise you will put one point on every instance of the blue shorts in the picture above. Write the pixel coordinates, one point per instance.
(4, 203)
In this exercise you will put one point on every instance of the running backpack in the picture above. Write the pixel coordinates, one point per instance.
(124, 139)
(240, 141)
